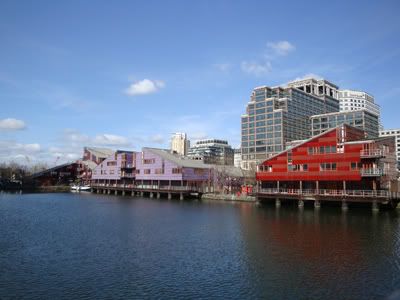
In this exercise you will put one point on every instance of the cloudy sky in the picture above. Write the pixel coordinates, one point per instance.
(127, 74)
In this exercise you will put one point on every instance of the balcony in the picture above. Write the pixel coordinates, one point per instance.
(126, 166)
(372, 153)
(128, 175)
(372, 172)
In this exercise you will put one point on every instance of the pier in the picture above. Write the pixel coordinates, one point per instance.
(375, 197)
(152, 191)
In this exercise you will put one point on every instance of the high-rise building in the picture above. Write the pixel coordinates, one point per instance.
(180, 144)
(237, 157)
(212, 151)
(351, 100)
(275, 116)
(395, 133)
(361, 119)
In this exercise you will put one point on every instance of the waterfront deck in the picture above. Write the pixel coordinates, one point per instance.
(357, 196)
(150, 190)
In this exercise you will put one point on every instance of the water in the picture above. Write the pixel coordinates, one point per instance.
(69, 246)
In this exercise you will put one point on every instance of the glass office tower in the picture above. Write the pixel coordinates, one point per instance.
(275, 116)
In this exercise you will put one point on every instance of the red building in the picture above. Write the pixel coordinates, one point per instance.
(338, 162)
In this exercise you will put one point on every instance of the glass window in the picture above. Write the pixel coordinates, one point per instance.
(260, 111)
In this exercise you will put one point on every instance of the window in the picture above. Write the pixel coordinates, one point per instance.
(327, 166)
(310, 150)
(353, 166)
(159, 171)
(146, 171)
(111, 163)
(176, 170)
(149, 161)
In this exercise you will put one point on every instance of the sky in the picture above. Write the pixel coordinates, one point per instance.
(128, 74)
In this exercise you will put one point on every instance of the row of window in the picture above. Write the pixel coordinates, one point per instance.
(332, 166)
(322, 150)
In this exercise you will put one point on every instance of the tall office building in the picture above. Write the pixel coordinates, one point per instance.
(275, 116)
(180, 144)
(362, 119)
(351, 100)
(212, 151)
(395, 133)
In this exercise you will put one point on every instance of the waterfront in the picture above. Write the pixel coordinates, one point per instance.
(64, 246)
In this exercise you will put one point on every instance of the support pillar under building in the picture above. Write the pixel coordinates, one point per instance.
(151, 194)
(181, 196)
(169, 196)
(158, 195)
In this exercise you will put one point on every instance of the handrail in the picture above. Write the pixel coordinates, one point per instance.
(335, 193)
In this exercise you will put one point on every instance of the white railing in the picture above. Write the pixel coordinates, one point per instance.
(334, 193)
(372, 172)
(371, 153)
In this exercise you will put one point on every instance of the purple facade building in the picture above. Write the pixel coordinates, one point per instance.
(119, 168)
(161, 168)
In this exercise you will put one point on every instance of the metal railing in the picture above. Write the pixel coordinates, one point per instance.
(372, 153)
(372, 172)
(334, 193)
(146, 187)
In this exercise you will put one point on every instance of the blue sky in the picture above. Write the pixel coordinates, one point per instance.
(127, 74)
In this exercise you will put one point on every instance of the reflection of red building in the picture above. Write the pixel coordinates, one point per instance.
(340, 161)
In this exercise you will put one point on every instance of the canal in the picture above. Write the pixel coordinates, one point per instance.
(87, 246)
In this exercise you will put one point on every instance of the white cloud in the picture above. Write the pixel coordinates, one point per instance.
(75, 136)
(111, 140)
(157, 139)
(255, 68)
(280, 48)
(307, 76)
(144, 87)
(223, 67)
(12, 124)
(19, 152)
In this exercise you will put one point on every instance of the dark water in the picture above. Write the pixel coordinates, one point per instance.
(70, 246)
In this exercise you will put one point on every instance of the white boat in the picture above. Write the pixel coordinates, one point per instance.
(80, 188)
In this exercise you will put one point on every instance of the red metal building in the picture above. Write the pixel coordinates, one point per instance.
(339, 161)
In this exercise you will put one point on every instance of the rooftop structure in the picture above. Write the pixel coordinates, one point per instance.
(212, 151)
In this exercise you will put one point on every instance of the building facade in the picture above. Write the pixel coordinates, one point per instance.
(361, 119)
(275, 116)
(212, 151)
(161, 168)
(180, 143)
(119, 168)
(237, 157)
(340, 159)
(396, 134)
(351, 100)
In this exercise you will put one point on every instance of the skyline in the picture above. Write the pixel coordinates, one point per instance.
(128, 75)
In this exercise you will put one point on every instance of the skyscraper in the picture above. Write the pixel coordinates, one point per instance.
(275, 116)
(180, 144)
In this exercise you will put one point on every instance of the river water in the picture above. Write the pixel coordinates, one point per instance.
(87, 246)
